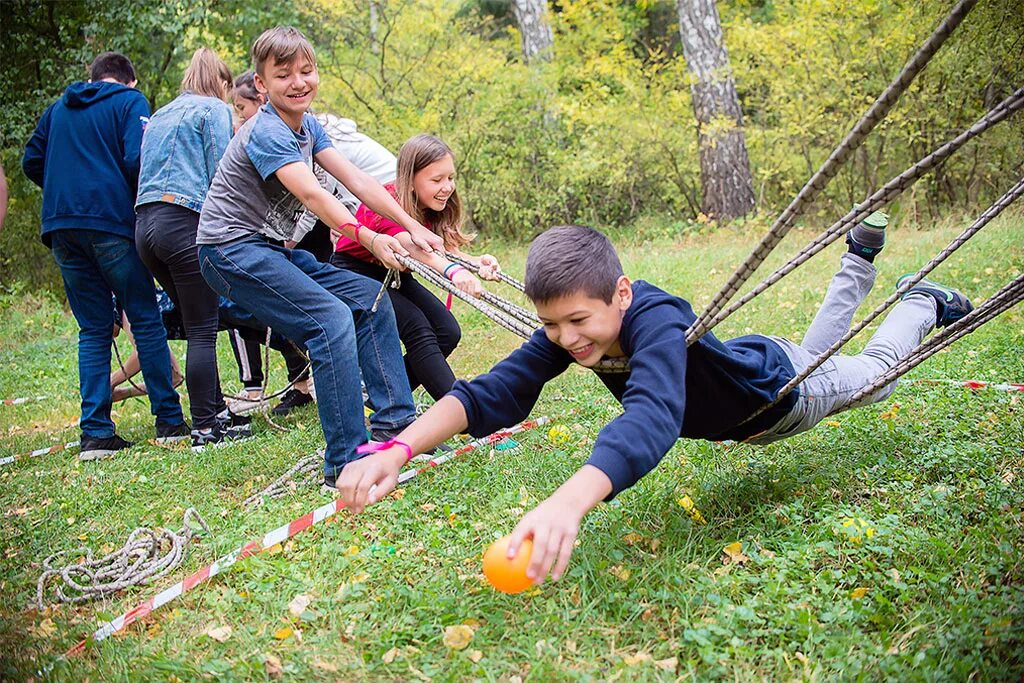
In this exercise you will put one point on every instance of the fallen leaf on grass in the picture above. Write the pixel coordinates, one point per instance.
(44, 629)
(325, 666)
(283, 633)
(274, 549)
(299, 604)
(687, 504)
(475, 656)
(734, 553)
(858, 593)
(632, 538)
(273, 666)
(457, 637)
(638, 658)
(619, 572)
(668, 664)
(390, 655)
(219, 633)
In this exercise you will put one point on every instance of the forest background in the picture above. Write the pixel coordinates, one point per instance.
(601, 133)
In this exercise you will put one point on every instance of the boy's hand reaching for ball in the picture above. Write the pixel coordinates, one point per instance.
(363, 482)
(555, 523)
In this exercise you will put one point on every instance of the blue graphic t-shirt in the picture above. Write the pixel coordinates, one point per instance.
(246, 197)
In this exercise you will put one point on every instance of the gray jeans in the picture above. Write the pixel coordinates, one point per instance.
(827, 389)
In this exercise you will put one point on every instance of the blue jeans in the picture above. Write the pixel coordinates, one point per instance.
(327, 310)
(95, 265)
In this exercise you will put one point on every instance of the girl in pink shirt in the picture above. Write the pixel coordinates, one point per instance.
(425, 188)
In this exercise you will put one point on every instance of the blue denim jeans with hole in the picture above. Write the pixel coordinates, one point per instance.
(95, 265)
(327, 310)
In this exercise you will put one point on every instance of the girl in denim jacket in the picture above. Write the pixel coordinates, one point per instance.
(181, 148)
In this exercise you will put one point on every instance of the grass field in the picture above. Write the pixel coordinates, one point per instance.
(934, 591)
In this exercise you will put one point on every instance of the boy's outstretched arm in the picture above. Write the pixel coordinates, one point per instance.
(554, 524)
(379, 471)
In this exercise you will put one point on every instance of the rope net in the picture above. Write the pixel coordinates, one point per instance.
(820, 180)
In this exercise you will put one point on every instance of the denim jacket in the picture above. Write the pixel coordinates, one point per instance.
(181, 148)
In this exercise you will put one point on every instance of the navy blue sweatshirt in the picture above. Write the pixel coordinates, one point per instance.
(670, 391)
(84, 153)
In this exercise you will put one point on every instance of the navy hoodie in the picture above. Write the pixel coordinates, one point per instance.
(85, 155)
(671, 391)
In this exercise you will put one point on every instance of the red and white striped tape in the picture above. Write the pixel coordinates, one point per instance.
(974, 384)
(40, 451)
(278, 535)
(23, 399)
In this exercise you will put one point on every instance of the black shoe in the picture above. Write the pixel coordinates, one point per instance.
(868, 237)
(218, 436)
(168, 433)
(234, 426)
(382, 435)
(94, 448)
(291, 400)
(950, 304)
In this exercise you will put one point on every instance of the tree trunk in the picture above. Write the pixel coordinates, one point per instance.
(537, 39)
(724, 165)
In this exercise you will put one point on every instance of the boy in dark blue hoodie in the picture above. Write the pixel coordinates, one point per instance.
(590, 311)
(84, 154)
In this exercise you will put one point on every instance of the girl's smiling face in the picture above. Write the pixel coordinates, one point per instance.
(435, 183)
(245, 108)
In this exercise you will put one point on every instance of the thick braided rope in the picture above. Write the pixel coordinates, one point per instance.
(1006, 298)
(504, 277)
(883, 196)
(507, 321)
(306, 472)
(140, 561)
(820, 180)
(983, 220)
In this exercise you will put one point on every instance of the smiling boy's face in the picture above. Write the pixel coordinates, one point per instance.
(587, 327)
(290, 86)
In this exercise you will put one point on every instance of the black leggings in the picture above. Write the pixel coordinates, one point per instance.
(428, 330)
(165, 236)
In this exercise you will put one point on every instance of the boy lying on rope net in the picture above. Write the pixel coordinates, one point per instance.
(590, 310)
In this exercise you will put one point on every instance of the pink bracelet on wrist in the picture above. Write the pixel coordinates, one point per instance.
(450, 274)
(355, 228)
(374, 446)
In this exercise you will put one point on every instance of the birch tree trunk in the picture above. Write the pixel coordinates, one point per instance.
(537, 39)
(724, 164)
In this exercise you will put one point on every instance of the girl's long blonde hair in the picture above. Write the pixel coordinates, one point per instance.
(207, 75)
(416, 154)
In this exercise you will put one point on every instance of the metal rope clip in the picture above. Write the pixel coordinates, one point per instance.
(389, 279)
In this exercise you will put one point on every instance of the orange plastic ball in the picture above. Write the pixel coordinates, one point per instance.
(508, 576)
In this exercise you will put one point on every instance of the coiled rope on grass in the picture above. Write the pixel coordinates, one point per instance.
(147, 555)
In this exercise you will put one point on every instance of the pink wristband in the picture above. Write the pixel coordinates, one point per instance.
(374, 446)
(451, 274)
(355, 228)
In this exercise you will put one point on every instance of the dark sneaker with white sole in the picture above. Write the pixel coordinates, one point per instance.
(292, 399)
(950, 304)
(168, 433)
(93, 448)
(234, 426)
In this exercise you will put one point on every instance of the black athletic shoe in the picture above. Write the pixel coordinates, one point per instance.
(94, 448)
(290, 401)
(234, 426)
(168, 433)
(868, 237)
(950, 304)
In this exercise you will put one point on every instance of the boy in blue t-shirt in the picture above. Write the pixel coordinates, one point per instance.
(250, 221)
(590, 310)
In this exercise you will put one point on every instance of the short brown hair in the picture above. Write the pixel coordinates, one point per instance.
(283, 44)
(207, 74)
(568, 259)
(112, 65)
(245, 87)
(417, 153)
